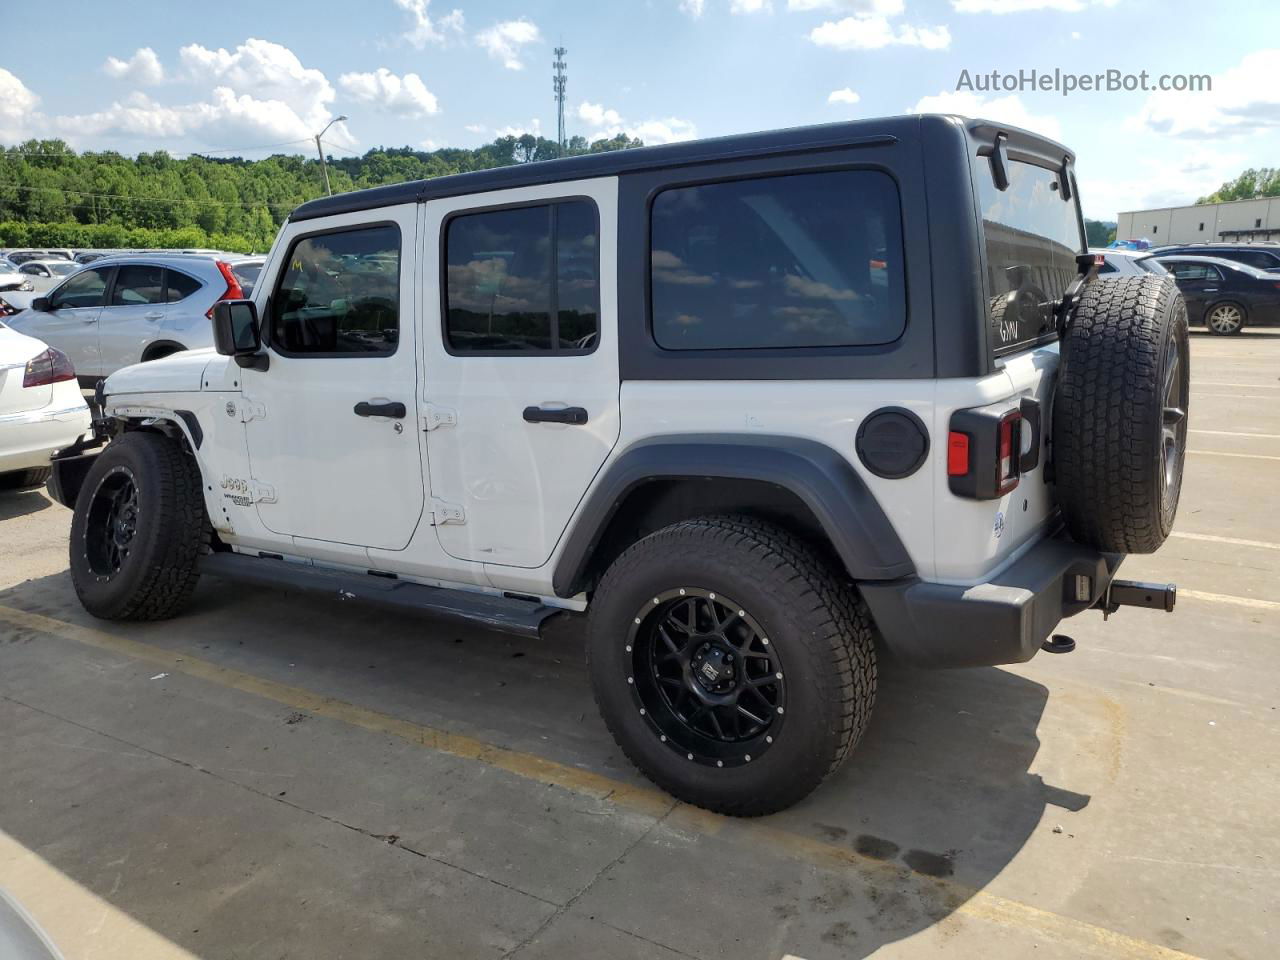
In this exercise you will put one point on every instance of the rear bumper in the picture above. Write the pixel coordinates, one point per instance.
(1002, 621)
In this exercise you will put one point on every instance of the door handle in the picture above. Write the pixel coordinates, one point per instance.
(1210, 289)
(366, 409)
(153, 316)
(576, 416)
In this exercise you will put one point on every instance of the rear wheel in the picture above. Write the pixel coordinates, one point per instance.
(730, 664)
(23, 479)
(138, 530)
(1225, 319)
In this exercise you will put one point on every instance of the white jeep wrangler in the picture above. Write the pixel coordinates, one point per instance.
(758, 405)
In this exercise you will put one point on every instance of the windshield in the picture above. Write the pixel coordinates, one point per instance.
(62, 269)
(1151, 265)
(1032, 239)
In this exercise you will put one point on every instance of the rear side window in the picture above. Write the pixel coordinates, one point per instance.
(1254, 258)
(137, 285)
(803, 260)
(523, 279)
(1032, 238)
(1193, 271)
(340, 295)
(181, 286)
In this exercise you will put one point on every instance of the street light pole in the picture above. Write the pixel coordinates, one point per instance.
(320, 150)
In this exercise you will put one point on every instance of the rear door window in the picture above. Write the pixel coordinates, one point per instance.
(1032, 239)
(138, 284)
(801, 260)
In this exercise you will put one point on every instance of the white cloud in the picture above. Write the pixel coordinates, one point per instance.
(17, 108)
(143, 67)
(264, 71)
(475, 128)
(1147, 179)
(427, 30)
(845, 95)
(607, 123)
(428, 145)
(260, 94)
(750, 6)
(1009, 110)
(1022, 6)
(885, 8)
(505, 40)
(534, 127)
(1244, 100)
(872, 32)
(405, 96)
(693, 8)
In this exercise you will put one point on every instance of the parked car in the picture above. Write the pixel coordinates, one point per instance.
(88, 256)
(1126, 263)
(675, 387)
(1225, 295)
(11, 278)
(45, 274)
(23, 256)
(1263, 255)
(127, 309)
(41, 408)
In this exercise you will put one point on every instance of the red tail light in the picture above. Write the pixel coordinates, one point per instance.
(233, 291)
(957, 454)
(1010, 447)
(52, 366)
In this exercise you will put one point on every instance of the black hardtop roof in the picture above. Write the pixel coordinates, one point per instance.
(874, 132)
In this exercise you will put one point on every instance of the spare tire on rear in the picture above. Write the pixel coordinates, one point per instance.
(1120, 413)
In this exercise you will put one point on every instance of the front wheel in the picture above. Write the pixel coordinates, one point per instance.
(138, 530)
(1225, 319)
(730, 664)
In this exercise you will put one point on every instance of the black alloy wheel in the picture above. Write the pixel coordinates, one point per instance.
(705, 677)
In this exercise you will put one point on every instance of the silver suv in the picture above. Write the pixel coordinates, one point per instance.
(131, 308)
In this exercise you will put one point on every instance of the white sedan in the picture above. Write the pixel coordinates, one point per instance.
(41, 408)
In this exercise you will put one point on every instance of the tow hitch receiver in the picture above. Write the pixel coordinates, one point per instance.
(1134, 593)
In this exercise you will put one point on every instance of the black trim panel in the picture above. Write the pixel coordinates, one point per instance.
(824, 480)
(193, 426)
(1002, 621)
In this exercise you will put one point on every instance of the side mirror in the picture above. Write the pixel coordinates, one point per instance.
(236, 333)
(40, 305)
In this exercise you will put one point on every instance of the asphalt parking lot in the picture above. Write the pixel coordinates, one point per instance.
(267, 777)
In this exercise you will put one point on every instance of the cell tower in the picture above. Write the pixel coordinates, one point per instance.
(558, 83)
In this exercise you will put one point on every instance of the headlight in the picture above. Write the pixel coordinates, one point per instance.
(27, 285)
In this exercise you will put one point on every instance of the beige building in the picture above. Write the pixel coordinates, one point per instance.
(1235, 220)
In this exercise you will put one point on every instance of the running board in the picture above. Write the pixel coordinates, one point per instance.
(504, 614)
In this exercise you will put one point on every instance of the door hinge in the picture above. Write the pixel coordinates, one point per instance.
(434, 416)
(442, 513)
(263, 492)
(248, 409)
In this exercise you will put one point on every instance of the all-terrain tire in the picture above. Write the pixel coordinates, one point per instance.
(1119, 414)
(816, 625)
(23, 479)
(147, 568)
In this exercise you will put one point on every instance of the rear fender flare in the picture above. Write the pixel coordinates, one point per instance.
(821, 478)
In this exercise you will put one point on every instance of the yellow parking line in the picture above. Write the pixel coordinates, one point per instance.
(1252, 602)
(961, 899)
(1218, 383)
(1235, 433)
(1233, 541)
(1242, 456)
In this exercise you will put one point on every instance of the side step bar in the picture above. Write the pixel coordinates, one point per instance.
(504, 614)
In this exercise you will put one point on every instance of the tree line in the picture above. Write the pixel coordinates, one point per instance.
(51, 195)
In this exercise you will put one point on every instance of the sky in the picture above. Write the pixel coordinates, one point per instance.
(254, 78)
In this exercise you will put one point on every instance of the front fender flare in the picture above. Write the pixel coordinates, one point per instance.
(824, 481)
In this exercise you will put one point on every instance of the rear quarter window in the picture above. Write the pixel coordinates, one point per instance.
(797, 260)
